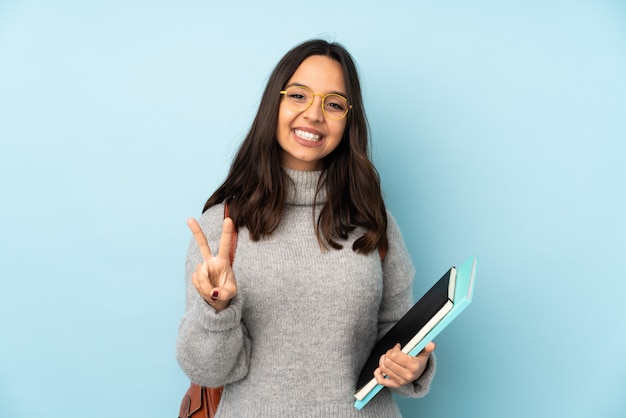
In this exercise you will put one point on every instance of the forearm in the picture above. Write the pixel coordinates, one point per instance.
(213, 348)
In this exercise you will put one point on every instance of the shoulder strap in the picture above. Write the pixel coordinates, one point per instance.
(233, 242)
(382, 253)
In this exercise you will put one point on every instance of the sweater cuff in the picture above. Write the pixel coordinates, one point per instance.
(214, 321)
(420, 387)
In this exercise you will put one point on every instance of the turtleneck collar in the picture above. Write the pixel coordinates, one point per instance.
(302, 191)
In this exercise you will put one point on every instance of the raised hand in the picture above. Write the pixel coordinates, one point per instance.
(214, 278)
(396, 368)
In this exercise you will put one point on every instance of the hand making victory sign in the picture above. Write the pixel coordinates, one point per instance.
(214, 278)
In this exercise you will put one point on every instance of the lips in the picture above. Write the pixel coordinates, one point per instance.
(307, 136)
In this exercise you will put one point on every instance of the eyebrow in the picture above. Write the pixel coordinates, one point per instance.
(304, 85)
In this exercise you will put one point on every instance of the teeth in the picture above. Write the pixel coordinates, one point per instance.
(307, 136)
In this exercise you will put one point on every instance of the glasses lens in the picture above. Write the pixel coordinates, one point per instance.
(298, 98)
(335, 106)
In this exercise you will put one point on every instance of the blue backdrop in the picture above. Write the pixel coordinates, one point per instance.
(498, 127)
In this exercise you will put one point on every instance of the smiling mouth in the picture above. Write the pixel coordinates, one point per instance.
(307, 136)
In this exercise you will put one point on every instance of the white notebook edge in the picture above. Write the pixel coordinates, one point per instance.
(361, 394)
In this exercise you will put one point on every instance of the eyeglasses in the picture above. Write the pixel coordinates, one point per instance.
(300, 98)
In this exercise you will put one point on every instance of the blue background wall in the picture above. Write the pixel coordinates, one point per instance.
(498, 129)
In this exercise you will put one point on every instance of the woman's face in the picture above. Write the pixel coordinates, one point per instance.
(306, 137)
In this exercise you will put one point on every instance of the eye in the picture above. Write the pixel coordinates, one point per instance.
(298, 94)
(336, 106)
(336, 103)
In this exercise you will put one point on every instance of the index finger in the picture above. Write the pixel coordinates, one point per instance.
(200, 238)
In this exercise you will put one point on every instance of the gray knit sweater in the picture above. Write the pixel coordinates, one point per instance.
(293, 341)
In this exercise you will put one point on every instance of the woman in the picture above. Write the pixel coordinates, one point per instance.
(289, 326)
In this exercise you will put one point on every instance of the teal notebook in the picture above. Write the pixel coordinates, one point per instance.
(463, 292)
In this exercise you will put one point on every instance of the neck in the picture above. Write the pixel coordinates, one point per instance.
(303, 188)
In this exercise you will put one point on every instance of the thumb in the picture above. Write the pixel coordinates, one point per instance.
(430, 347)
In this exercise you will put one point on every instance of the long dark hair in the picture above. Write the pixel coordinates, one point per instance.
(255, 187)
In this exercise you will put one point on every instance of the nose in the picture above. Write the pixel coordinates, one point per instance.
(314, 112)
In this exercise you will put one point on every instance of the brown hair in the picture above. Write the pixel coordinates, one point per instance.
(255, 187)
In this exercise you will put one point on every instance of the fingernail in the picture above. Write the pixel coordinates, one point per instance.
(215, 295)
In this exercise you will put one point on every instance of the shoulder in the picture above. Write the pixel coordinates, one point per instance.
(394, 234)
(392, 224)
(397, 263)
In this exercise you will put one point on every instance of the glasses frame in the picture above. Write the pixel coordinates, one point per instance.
(323, 96)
